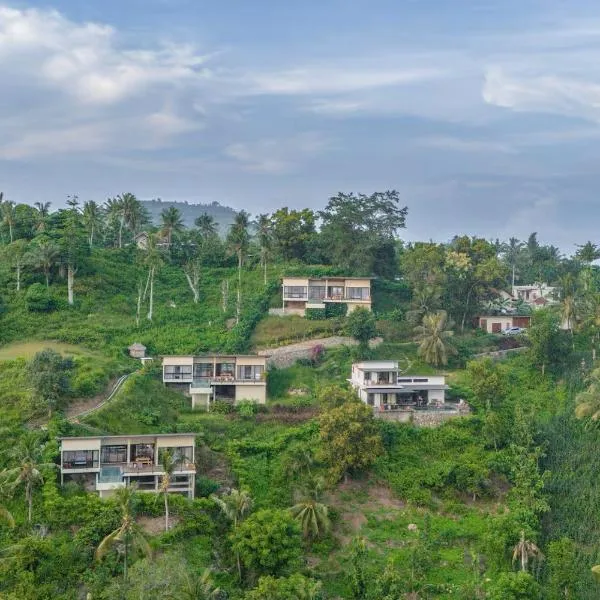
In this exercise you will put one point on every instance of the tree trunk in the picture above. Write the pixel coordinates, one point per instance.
(18, 276)
(125, 559)
(139, 306)
(239, 289)
(92, 237)
(151, 302)
(29, 496)
(265, 270)
(166, 512)
(462, 325)
(193, 286)
(121, 233)
(70, 282)
(47, 273)
(10, 231)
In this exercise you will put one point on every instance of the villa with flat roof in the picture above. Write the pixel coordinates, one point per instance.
(106, 463)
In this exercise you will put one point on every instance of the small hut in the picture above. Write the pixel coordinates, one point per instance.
(137, 350)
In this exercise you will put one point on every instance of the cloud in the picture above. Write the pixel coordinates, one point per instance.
(466, 145)
(75, 87)
(276, 156)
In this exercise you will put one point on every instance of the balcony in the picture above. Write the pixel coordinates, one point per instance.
(141, 468)
(77, 465)
(177, 377)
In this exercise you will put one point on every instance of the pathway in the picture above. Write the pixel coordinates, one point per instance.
(286, 356)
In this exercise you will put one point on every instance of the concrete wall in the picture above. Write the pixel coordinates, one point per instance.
(255, 393)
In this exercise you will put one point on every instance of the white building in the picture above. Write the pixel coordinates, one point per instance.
(380, 384)
(536, 295)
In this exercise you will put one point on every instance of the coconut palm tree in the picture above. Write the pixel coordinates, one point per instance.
(8, 212)
(114, 213)
(171, 222)
(27, 455)
(312, 515)
(568, 312)
(44, 257)
(588, 253)
(264, 240)
(235, 506)
(434, 338)
(525, 550)
(238, 240)
(43, 212)
(128, 536)
(93, 219)
(168, 463)
(153, 259)
(201, 587)
(206, 225)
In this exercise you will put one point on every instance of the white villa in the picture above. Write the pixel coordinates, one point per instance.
(380, 384)
(106, 463)
(537, 295)
(217, 377)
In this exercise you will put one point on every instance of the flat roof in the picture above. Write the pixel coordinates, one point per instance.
(323, 278)
(215, 355)
(376, 364)
(131, 435)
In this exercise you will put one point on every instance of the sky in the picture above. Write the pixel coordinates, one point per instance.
(483, 114)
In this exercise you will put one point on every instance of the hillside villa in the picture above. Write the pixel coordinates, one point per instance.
(498, 323)
(216, 377)
(106, 463)
(380, 384)
(536, 295)
(302, 293)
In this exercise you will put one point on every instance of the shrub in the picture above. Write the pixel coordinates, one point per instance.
(335, 309)
(222, 408)
(315, 314)
(247, 409)
(38, 298)
(205, 486)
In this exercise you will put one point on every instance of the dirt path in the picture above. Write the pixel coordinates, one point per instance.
(285, 356)
(76, 411)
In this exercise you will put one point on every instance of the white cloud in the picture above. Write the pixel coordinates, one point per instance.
(277, 155)
(85, 91)
(466, 144)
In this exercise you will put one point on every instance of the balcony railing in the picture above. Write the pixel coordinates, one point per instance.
(177, 376)
(80, 464)
(144, 469)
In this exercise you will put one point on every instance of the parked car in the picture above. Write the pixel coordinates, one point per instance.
(514, 331)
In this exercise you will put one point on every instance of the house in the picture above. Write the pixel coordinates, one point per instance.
(536, 295)
(106, 463)
(137, 350)
(142, 240)
(497, 323)
(217, 377)
(380, 384)
(301, 293)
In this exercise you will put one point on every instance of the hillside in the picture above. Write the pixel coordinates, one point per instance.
(223, 215)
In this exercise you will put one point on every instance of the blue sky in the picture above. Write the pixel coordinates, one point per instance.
(484, 114)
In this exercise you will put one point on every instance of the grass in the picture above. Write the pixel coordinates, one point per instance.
(27, 350)
(277, 331)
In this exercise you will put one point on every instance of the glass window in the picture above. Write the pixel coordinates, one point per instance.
(371, 399)
(357, 293)
(202, 370)
(336, 291)
(114, 454)
(250, 372)
(80, 459)
(225, 369)
(176, 372)
(181, 454)
(316, 292)
(295, 291)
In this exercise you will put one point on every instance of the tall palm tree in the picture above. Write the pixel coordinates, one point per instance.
(28, 473)
(44, 257)
(171, 222)
(434, 338)
(588, 253)
(153, 260)
(569, 312)
(312, 515)
(264, 240)
(128, 535)
(235, 506)
(133, 212)
(114, 213)
(207, 225)
(93, 219)
(8, 212)
(198, 587)
(168, 463)
(525, 550)
(238, 240)
(43, 212)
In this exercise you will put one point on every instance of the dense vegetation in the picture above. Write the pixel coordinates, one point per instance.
(308, 497)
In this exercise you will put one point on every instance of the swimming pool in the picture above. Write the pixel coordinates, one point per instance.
(110, 475)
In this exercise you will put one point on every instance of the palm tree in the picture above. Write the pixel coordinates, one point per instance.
(133, 212)
(312, 515)
(154, 260)
(28, 472)
(569, 313)
(512, 252)
(264, 239)
(588, 253)
(8, 212)
(525, 550)
(235, 506)
(168, 465)
(17, 254)
(129, 534)
(43, 212)
(206, 225)
(43, 258)
(93, 219)
(114, 212)
(200, 587)
(238, 240)
(434, 339)
(171, 222)
(588, 402)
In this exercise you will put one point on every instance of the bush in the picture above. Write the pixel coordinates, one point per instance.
(247, 409)
(222, 408)
(335, 309)
(38, 298)
(315, 314)
(205, 486)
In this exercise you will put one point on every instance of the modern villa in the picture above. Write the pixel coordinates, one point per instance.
(380, 384)
(215, 377)
(106, 463)
(301, 293)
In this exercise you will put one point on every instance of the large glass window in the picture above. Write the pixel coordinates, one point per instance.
(80, 459)
(177, 372)
(180, 454)
(358, 293)
(226, 369)
(114, 454)
(250, 372)
(295, 291)
(203, 370)
(316, 292)
(336, 292)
